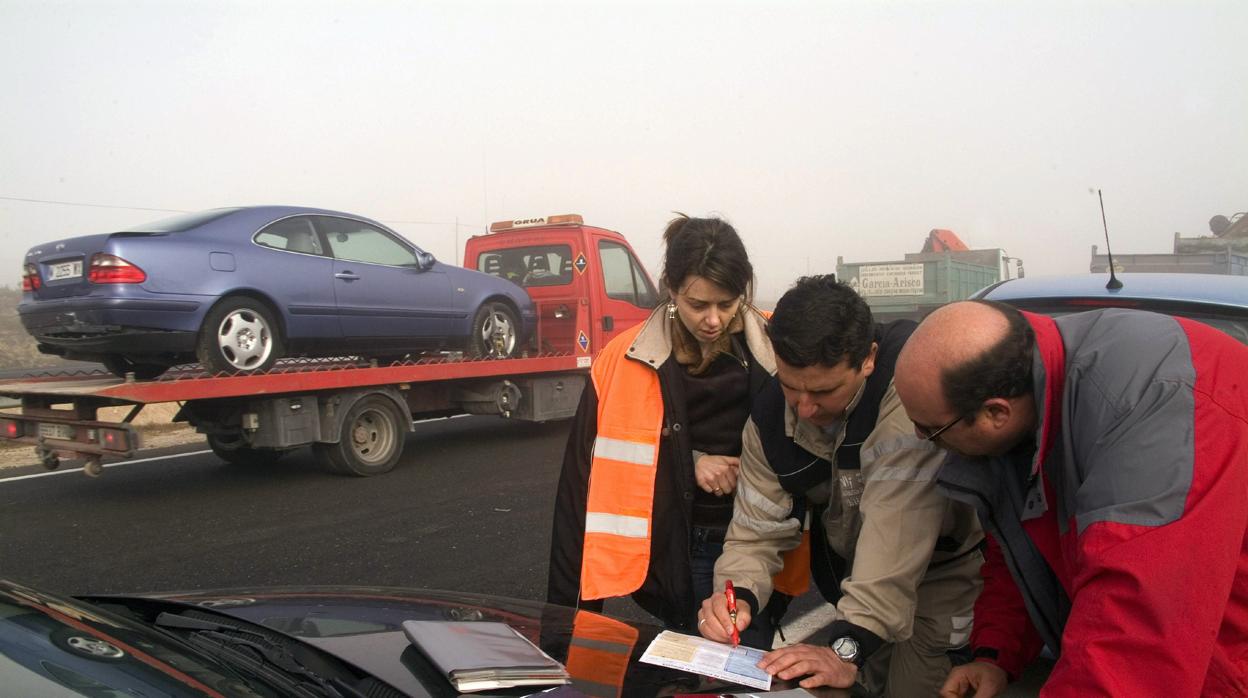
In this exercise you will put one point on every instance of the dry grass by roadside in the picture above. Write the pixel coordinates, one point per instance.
(153, 423)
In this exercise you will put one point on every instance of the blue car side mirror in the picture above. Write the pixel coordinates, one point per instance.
(424, 261)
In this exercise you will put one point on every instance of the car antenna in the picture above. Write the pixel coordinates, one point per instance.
(1114, 284)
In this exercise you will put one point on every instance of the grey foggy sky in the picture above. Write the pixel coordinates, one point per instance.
(818, 129)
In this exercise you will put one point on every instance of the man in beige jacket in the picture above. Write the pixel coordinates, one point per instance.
(829, 451)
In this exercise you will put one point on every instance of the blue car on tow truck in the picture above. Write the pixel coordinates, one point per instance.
(239, 288)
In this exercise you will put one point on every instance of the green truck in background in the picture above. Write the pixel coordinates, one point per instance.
(945, 271)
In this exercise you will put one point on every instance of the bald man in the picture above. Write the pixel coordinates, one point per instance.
(1107, 454)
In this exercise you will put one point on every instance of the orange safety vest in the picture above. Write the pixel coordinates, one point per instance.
(598, 654)
(620, 505)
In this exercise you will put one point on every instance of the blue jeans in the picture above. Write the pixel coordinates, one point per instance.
(702, 556)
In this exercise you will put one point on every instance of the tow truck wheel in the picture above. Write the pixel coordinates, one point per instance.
(239, 334)
(495, 332)
(119, 365)
(371, 439)
(232, 449)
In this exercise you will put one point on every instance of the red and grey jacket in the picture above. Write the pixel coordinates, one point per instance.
(1120, 535)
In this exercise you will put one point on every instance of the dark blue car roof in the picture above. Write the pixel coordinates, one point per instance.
(251, 214)
(1200, 289)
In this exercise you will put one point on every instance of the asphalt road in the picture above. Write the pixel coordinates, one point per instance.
(468, 508)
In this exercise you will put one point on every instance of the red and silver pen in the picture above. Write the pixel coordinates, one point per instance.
(731, 595)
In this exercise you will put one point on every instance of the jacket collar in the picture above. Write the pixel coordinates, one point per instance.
(1048, 377)
(653, 344)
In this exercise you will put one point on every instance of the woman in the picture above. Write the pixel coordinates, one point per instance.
(648, 477)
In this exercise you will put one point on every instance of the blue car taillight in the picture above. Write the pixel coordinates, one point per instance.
(111, 269)
(30, 277)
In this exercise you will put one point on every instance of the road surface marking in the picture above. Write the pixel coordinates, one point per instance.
(798, 629)
(172, 455)
(106, 465)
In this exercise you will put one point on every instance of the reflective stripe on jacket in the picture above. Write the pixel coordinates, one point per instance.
(598, 654)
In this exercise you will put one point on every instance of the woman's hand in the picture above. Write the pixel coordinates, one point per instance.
(717, 474)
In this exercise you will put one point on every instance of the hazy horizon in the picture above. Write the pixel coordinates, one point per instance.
(818, 129)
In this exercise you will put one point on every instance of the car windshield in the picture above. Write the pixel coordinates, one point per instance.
(181, 222)
(537, 265)
(50, 645)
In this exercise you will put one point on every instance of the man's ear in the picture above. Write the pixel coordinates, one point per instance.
(868, 364)
(998, 411)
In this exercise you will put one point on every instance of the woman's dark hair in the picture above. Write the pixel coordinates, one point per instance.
(706, 247)
(821, 322)
(1002, 371)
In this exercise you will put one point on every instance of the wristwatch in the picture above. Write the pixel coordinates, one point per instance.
(847, 649)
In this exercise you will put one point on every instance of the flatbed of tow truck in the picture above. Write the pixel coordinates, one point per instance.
(291, 377)
(322, 402)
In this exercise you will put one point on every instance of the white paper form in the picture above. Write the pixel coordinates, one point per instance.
(702, 656)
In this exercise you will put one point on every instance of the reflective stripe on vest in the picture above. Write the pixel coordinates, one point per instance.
(620, 504)
(598, 654)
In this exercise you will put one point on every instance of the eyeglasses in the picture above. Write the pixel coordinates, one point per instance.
(927, 434)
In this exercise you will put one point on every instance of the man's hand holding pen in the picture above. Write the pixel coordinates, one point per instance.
(715, 620)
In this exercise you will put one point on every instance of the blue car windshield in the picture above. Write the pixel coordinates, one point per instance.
(182, 222)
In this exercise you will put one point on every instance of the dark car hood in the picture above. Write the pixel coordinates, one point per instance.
(362, 625)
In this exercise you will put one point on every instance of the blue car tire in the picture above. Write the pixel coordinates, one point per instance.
(495, 332)
(239, 335)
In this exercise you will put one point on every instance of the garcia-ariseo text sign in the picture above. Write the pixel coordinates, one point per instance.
(890, 280)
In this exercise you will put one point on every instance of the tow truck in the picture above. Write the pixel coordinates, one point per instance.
(586, 284)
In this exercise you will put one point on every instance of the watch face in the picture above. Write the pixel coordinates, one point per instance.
(846, 648)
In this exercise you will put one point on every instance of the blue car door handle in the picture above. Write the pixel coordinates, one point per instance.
(346, 276)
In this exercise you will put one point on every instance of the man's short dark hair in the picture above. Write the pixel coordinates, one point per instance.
(821, 321)
(1002, 371)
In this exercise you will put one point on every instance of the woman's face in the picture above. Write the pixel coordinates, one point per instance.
(705, 307)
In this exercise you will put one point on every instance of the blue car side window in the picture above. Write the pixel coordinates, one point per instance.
(355, 241)
(291, 234)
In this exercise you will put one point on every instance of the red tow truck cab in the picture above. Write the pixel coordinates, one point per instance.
(568, 269)
(587, 286)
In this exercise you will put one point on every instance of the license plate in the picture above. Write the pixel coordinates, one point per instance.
(56, 431)
(65, 270)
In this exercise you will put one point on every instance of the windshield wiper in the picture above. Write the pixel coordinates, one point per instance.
(259, 655)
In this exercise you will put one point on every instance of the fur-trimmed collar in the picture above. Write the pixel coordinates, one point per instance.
(654, 343)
